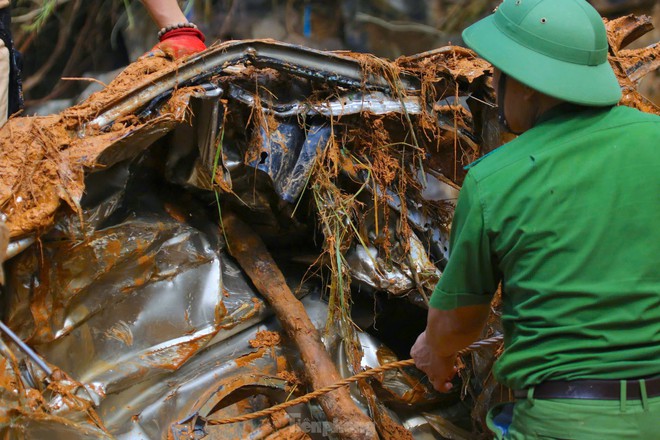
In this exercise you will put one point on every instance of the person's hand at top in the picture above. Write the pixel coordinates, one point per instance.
(178, 37)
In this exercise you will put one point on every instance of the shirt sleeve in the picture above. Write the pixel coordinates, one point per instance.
(471, 276)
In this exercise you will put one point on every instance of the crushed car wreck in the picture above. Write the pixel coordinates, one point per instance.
(127, 215)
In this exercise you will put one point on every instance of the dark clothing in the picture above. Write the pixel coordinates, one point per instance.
(15, 95)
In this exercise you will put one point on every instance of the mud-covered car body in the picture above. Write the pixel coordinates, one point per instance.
(347, 167)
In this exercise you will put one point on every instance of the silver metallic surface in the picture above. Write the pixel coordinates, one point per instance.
(377, 103)
(142, 303)
(299, 60)
(17, 246)
(367, 266)
(159, 329)
(25, 349)
(148, 306)
(198, 387)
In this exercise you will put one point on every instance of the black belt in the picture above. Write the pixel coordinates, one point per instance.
(592, 389)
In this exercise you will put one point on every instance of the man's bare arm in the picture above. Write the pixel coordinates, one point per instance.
(448, 331)
(165, 12)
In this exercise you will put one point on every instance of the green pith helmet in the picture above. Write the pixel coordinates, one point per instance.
(558, 47)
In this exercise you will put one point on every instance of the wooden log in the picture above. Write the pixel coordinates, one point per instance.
(249, 250)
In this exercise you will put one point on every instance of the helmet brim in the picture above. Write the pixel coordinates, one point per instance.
(580, 84)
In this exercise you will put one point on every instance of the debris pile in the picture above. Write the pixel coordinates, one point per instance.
(174, 212)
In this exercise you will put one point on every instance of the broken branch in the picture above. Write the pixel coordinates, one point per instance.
(246, 246)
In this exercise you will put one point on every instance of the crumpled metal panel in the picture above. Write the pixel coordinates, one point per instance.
(429, 245)
(51, 428)
(376, 103)
(288, 155)
(136, 272)
(191, 159)
(145, 310)
(131, 295)
(204, 387)
(314, 64)
(141, 302)
(60, 410)
(368, 266)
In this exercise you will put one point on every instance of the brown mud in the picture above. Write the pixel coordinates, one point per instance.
(142, 71)
(293, 432)
(631, 65)
(266, 338)
(291, 377)
(43, 158)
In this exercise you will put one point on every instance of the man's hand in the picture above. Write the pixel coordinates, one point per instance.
(447, 332)
(440, 370)
(179, 43)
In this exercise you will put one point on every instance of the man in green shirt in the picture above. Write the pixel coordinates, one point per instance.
(567, 218)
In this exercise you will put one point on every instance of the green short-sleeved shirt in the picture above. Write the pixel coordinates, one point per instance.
(567, 216)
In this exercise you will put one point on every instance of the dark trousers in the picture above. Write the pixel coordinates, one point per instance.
(15, 96)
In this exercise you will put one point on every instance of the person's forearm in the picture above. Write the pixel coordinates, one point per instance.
(449, 331)
(165, 12)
